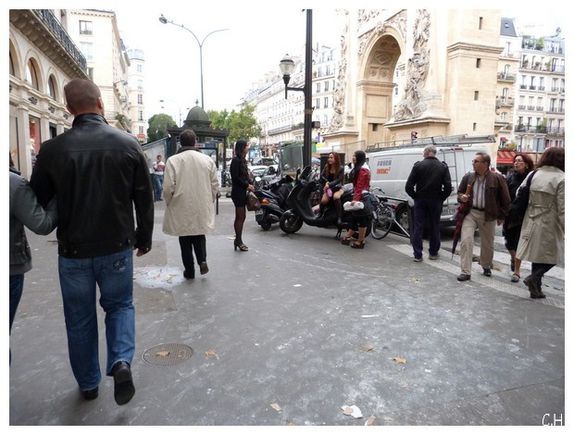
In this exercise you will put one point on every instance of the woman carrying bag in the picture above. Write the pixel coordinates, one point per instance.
(240, 185)
(359, 206)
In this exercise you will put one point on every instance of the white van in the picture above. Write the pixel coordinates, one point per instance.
(390, 169)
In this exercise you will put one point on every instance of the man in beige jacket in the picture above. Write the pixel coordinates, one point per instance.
(190, 188)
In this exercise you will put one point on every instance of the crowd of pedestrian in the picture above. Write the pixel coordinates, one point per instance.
(529, 203)
(93, 183)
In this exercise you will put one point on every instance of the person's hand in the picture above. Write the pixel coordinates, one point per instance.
(251, 187)
(464, 197)
(499, 221)
(142, 251)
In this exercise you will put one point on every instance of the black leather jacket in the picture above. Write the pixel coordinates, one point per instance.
(96, 171)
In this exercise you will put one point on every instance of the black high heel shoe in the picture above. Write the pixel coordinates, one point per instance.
(240, 245)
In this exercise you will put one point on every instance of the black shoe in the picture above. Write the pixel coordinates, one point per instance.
(124, 388)
(203, 269)
(486, 271)
(90, 394)
(188, 275)
(463, 277)
(535, 290)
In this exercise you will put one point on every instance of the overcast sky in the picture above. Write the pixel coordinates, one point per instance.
(259, 34)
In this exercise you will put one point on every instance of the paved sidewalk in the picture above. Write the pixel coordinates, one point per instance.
(295, 329)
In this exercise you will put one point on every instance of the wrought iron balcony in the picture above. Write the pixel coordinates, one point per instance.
(506, 77)
(61, 35)
(42, 28)
(504, 102)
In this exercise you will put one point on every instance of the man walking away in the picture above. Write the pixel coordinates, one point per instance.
(429, 185)
(190, 189)
(490, 204)
(96, 172)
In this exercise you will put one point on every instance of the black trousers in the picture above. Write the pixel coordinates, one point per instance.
(538, 271)
(188, 244)
(426, 211)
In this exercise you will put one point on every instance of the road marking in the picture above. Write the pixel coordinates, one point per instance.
(554, 298)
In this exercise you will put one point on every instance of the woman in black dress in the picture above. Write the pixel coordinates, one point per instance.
(523, 164)
(239, 186)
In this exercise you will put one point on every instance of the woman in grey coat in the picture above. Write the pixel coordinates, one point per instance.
(542, 233)
(24, 211)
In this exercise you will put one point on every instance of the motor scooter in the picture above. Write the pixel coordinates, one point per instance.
(273, 200)
(300, 208)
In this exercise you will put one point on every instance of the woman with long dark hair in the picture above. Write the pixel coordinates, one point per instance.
(361, 178)
(333, 175)
(240, 184)
(542, 232)
(523, 164)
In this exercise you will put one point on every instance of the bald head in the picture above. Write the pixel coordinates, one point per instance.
(83, 96)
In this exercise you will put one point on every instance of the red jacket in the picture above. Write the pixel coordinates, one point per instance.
(363, 183)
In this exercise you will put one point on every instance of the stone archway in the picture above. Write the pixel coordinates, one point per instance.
(375, 88)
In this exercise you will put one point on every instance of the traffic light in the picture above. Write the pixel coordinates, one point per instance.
(414, 135)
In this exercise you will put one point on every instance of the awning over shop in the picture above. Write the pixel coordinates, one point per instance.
(505, 158)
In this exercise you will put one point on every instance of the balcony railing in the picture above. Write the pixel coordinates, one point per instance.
(541, 88)
(61, 35)
(558, 131)
(523, 86)
(540, 108)
(506, 77)
(504, 102)
(521, 107)
(530, 107)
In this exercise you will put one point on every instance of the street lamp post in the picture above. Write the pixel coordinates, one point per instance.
(287, 66)
(164, 20)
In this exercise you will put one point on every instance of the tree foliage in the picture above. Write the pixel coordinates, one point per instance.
(158, 125)
(241, 125)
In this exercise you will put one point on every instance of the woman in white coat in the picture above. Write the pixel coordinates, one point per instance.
(542, 232)
(190, 188)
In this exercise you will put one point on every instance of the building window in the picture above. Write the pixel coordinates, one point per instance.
(318, 87)
(85, 27)
(474, 126)
(139, 67)
(326, 102)
(90, 73)
(475, 95)
(141, 129)
(87, 49)
(318, 103)
(140, 115)
(326, 87)
(32, 74)
(52, 87)
(140, 99)
(480, 22)
(478, 62)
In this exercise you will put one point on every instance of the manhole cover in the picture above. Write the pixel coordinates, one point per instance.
(167, 354)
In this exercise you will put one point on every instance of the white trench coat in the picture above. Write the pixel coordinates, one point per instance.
(189, 188)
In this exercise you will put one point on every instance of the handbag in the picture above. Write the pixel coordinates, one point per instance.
(520, 204)
(252, 203)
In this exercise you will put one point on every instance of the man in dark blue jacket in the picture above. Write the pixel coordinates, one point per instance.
(97, 173)
(429, 184)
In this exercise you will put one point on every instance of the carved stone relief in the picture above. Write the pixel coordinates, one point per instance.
(339, 95)
(412, 105)
(397, 22)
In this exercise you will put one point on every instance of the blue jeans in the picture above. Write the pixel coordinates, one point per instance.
(78, 278)
(426, 211)
(157, 181)
(16, 286)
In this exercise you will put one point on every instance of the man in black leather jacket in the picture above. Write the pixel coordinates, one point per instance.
(429, 184)
(96, 173)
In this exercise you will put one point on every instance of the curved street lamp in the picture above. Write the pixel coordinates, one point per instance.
(164, 20)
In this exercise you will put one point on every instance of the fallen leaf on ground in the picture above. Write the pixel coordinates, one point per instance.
(399, 360)
(162, 353)
(276, 407)
(211, 354)
(353, 411)
(370, 420)
(367, 347)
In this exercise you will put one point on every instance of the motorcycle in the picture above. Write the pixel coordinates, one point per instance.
(300, 208)
(273, 200)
